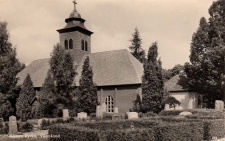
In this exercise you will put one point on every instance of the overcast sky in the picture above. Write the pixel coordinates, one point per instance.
(33, 23)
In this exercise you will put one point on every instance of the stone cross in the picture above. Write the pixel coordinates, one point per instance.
(12, 125)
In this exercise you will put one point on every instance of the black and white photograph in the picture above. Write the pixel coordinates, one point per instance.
(112, 70)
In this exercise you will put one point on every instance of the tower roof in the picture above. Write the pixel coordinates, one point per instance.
(75, 23)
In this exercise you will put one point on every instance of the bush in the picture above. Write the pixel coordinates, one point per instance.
(92, 116)
(72, 133)
(148, 114)
(45, 124)
(27, 127)
(4, 129)
(107, 116)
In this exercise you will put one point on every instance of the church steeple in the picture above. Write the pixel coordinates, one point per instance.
(74, 37)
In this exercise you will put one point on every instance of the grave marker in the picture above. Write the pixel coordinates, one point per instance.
(12, 125)
(65, 114)
(82, 115)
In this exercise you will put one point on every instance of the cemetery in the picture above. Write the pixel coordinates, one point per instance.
(168, 125)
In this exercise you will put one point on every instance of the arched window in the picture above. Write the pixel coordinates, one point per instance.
(71, 44)
(82, 46)
(109, 104)
(86, 46)
(66, 44)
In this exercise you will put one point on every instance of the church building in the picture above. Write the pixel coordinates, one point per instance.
(116, 73)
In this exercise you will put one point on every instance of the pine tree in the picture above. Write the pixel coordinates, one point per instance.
(87, 97)
(135, 47)
(27, 93)
(206, 71)
(9, 67)
(152, 81)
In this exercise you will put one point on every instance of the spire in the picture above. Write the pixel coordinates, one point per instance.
(74, 1)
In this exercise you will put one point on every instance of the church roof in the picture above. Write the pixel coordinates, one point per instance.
(117, 67)
(177, 83)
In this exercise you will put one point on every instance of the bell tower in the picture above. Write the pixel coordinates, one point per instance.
(74, 37)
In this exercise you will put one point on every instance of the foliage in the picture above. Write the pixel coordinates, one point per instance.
(206, 71)
(177, 69)
(9, 68)
(63, 72)
(27, 127)
(45, 124)
(152, 81)
(27, 93)
(214, 128)
(87, 91)
(137, 106)
(135, 47)
(172, 101)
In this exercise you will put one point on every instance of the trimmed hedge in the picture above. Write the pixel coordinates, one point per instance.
(215, 114)
(214, 128)
(98, 131)
(72, 133)
(25, 127)
(117, 124)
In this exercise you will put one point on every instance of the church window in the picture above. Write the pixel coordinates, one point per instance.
(66, 44)
(82, 44)
(86, 46)
(71, 44)
(109, 104)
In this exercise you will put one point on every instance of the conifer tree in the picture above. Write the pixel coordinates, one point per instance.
(206, 71)
(47, 98)
(87, 97)
(27, 93)
(135, 47)
(9, 67)
(152, 81)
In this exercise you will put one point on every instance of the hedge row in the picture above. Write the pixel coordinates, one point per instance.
(117, 124)
(212, 128)
(174, 132)
(199, 112)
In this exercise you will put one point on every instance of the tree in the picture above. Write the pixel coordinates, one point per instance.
(9, 67)
(206, 71)
(172, 101)
(27, 93)
(87, 90)
(47, 98)
(135, 46)
(152, 81)
(63, 72)
(177, 69)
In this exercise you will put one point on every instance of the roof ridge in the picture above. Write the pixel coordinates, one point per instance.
(108, 51)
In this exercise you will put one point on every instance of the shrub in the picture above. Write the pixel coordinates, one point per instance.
(72, 133)
(45, 124)
(59, 120)
(148, 114)
(27, 127)
(107, 116)
(4, 128)
(92, 116)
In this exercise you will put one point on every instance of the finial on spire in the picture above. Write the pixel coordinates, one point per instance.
(74, 1)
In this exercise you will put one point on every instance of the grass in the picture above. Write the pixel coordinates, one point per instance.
(5, 138)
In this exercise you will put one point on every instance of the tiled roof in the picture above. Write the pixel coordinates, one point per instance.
(177, 83)
(117, 67)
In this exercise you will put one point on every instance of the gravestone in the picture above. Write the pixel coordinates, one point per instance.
(167, 107)
(12, 125)
(116, 117)
(116, 110)
(132, 115)
(65, 114)
(98, 111)
(219, 105)
(82, 115)
(23, 116)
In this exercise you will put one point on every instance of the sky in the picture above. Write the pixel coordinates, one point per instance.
(32, 25)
